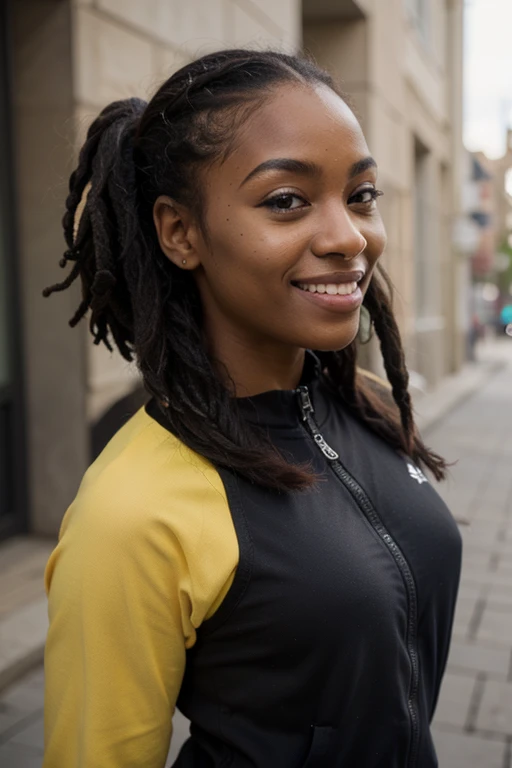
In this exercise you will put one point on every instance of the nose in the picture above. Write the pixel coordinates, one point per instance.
(338, 235)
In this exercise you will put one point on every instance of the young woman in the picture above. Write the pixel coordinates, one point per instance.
(258, 545)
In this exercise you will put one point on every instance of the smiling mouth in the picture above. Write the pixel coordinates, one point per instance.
(332, 289)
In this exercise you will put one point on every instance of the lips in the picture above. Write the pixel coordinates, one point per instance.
(333, 291)
(331, 278)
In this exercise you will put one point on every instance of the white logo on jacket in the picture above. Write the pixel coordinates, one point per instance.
(416, 473)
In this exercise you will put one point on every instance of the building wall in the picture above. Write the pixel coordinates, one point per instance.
(53, 355)
(403, 74)
(72, 57)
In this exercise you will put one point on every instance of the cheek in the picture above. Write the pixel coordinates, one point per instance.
(377, 239)
(237, 268)
(246, 251)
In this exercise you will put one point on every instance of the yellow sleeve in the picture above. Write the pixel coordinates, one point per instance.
(147, 551)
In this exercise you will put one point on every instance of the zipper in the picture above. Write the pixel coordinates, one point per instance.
(368, 510)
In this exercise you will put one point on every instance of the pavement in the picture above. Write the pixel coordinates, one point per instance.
(468, 419)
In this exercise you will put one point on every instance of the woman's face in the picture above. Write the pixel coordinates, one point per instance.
(293, 227)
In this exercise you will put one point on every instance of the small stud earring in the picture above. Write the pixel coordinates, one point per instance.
(184, 261)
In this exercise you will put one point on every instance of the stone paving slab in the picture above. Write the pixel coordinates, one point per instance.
(22, 639)
(32, 735)
(454, 704)
(456, 750)
(495, 711)
(495, 626)
(20, 756)
(466, 657)
(22, 563)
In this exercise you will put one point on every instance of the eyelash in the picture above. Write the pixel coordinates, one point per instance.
(271, 201)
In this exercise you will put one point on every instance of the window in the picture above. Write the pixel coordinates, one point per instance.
(419, 13)
(426, 241)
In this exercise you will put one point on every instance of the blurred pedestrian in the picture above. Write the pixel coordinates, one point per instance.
(259, 544)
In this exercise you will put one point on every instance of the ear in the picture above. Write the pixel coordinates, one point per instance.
(177, 232)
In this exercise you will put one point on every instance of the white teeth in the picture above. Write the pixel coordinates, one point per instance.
(346, 288)
(342, 289)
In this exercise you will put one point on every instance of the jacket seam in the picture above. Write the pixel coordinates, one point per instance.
(244, 568)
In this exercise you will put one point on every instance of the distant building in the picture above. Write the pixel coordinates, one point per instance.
(502, 169)
(63, 60)
(483, 214)
(477, 242)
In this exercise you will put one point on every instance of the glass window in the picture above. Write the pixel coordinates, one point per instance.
(419, 12)
(426, 240)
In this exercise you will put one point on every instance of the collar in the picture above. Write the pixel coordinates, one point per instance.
(279, 408)
(275, 409)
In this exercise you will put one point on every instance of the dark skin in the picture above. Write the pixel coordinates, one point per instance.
(270, 229)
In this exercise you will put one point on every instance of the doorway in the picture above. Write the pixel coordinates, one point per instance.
(12, 485)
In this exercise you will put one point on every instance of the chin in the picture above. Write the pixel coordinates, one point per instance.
(333, 343)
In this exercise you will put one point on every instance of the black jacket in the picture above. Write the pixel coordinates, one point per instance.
(329, 649)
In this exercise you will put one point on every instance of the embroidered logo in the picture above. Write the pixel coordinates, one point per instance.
(416, 473)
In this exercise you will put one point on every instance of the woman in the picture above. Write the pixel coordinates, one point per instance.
(259, 543)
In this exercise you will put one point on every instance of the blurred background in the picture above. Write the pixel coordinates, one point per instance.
(431, 81)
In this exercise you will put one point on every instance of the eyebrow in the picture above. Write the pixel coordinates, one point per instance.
(305, 168)
(361, 166)
(298, 167)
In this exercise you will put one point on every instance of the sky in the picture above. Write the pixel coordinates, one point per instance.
(488, 75)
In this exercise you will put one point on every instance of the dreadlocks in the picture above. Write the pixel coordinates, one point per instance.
(151, 310)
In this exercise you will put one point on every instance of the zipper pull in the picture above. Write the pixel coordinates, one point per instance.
(307, 411)
(326, 449)
(305, 404)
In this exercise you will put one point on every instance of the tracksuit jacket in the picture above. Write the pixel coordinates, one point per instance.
(295, 630)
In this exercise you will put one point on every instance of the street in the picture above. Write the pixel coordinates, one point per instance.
(473, 723)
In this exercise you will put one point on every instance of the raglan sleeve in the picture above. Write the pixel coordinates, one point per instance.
(134, 574)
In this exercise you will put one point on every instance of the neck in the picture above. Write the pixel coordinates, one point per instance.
(255, 369)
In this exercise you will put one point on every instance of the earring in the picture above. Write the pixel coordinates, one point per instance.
(184, 261)
(365, 331)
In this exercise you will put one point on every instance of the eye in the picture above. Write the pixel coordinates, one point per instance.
(366, 197)
(284, 202)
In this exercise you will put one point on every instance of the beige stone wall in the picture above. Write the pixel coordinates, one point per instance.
(124, 48)
(405, 81)
(53, 354)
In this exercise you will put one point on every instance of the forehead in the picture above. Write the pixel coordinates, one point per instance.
(302, 122)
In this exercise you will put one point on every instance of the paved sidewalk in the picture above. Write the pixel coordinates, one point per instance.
(473, 724)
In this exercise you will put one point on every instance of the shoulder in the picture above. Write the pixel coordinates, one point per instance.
(151, 518)
(146, 482)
